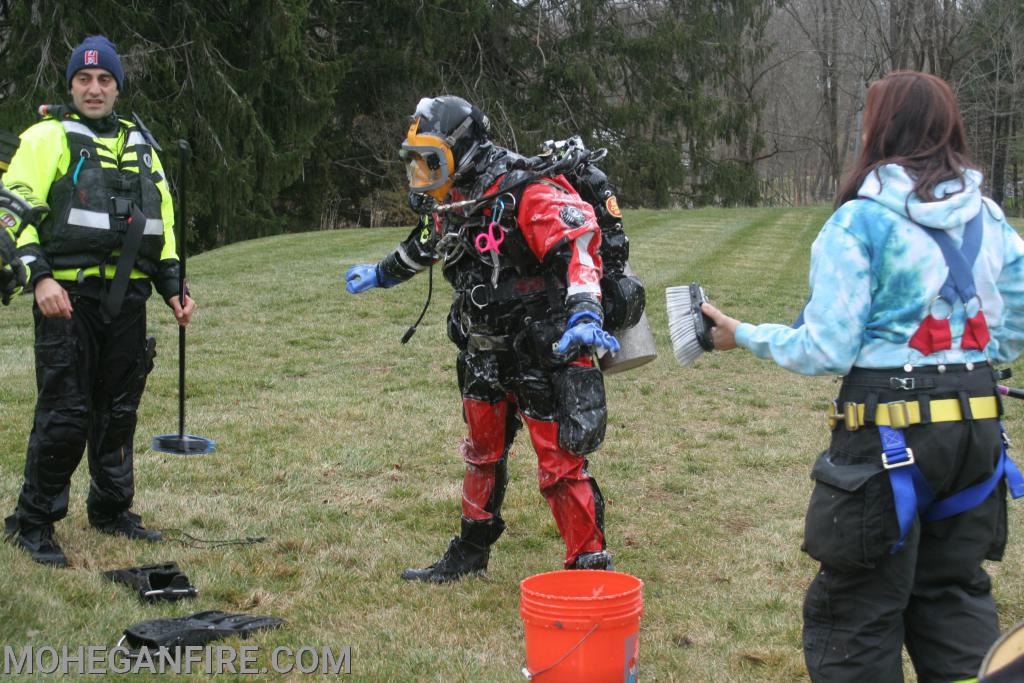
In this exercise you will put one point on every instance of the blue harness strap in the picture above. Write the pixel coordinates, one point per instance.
(910, 491)
(959, 284)
(913, 496)
(975, 495)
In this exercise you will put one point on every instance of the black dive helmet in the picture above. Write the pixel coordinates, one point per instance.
(443, 142)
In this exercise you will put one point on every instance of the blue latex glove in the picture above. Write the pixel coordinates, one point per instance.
(361, 277)
(587, 333)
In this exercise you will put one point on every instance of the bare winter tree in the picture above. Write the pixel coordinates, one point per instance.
(826, 52)
(991, 89)
(814, 92)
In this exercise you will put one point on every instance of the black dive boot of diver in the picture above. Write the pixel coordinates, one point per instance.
(599, 559)
(467, 554)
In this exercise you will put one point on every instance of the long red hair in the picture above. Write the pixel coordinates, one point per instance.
(911, 119)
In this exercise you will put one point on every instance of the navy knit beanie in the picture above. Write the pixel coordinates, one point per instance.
(96, 52)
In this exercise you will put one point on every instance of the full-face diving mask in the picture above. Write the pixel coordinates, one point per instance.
(429, 162)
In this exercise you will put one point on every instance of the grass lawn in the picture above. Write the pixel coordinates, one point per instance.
(339, 445)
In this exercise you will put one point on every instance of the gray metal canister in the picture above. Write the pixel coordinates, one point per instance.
(636, 344)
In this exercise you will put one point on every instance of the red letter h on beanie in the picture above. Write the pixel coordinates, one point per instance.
(96, 52)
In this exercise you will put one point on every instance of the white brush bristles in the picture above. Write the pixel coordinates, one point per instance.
(682, 323)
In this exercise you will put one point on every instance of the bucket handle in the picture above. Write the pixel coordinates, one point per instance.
(530, 675)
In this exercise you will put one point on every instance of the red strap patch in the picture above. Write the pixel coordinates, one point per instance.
(933, 335)
(976, 334)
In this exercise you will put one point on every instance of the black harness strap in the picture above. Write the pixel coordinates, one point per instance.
(129, 252)
(870, 407)
(508, 290)
(924, 404)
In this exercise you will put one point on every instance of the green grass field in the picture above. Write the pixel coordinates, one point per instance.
(339, 445)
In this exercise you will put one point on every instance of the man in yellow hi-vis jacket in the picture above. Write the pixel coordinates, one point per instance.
(91, 263)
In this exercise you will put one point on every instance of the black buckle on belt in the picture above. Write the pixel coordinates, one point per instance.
(903, 383)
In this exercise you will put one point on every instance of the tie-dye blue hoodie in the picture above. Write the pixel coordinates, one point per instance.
(874, 274)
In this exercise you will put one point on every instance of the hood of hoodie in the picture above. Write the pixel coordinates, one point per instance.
(959, 200)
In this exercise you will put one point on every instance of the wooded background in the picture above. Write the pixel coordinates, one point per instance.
(295, 109)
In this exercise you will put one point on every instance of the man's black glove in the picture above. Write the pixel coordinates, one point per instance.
(13, 277)
(422, 204)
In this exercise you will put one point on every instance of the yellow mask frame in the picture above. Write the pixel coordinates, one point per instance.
(429, 162)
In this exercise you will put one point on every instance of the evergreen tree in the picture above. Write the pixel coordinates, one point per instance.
(392, 53)
(240, 80)
(296, 108)
(649, 80)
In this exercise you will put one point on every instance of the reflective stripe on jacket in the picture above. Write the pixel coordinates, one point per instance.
(90, 206)
(84, 228)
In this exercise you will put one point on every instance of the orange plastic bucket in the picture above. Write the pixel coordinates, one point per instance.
(581, 625)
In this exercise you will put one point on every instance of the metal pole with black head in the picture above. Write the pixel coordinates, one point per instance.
(182, 443)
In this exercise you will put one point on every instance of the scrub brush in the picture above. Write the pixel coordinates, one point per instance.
(689, 327)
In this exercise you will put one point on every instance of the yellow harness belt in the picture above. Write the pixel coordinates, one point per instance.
(902, 414)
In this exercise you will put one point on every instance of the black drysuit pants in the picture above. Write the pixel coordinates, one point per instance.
(90, 375)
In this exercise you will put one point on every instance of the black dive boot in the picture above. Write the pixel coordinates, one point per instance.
(598, 559)
(467, 554)
(37, 541)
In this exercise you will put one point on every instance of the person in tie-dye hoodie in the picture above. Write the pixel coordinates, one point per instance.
(900, 325)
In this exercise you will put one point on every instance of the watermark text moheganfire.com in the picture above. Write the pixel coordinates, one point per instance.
(210, 659)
